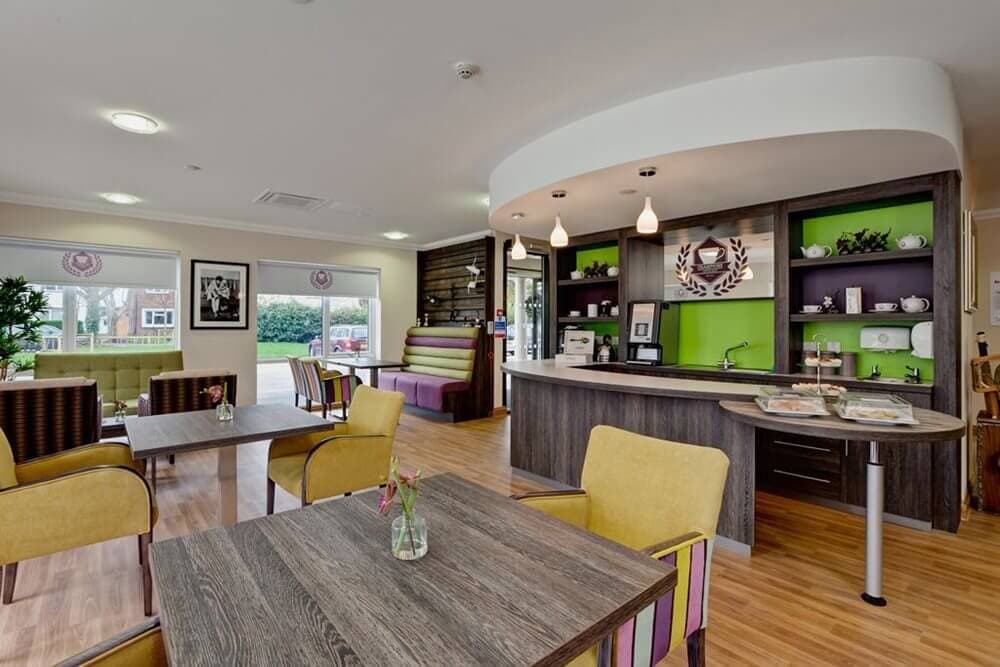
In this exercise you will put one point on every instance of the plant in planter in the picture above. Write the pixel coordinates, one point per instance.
(21, 308)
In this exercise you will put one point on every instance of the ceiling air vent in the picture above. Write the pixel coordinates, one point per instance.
(288, 200)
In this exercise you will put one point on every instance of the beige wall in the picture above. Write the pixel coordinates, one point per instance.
(231, 349)
(986, 183)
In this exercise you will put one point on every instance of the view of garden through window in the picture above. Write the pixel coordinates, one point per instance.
(293, 325)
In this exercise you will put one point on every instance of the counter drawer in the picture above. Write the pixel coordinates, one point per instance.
(801, 464)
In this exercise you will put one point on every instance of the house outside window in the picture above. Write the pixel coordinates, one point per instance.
(157, 318)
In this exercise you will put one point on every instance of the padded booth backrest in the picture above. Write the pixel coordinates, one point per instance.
(120, 376)
(41, 417)
(442, 351)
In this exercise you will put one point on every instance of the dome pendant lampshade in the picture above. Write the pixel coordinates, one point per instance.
(647, 222)
(559, 238)
(518, 251)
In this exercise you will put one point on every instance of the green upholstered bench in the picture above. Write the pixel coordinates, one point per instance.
(121, 376)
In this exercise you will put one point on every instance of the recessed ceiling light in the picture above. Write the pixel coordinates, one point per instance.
(396, 236)
(134, 122)
(517, 216)
(120, 198)
(558, 194)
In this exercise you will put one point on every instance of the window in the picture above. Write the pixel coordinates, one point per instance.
(157, 318)
(158, 291)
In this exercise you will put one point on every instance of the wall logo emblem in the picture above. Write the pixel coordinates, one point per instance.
(321, 279)
(713, 267)
(82, 264)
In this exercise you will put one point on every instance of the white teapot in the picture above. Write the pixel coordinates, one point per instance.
(915, 304)
(815, 251)
(911, 242)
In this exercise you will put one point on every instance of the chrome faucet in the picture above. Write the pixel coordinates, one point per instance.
(728, 363)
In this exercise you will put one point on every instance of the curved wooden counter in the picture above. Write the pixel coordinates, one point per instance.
(553, 409)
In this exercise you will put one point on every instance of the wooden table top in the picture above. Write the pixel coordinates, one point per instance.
(933, 426)
(502, 584)
(188, 431)
(364, 362)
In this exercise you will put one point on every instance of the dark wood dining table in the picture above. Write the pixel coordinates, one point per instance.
(502, 584)
(162, 435)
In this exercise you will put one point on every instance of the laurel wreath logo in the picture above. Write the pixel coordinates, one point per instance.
(734, 277)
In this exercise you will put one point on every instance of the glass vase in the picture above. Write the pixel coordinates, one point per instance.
(409, 537)
(224, 412)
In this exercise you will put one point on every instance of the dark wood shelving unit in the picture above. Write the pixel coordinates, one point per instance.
(599, 280)
(862, 317)
(587, 320)
(865, 258)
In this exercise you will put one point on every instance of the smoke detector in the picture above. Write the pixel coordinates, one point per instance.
(466, 70)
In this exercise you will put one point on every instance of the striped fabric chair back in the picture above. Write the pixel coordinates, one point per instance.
(184, 391)
(42, 417)
(649, 636)
(298, 374)
(314, 389)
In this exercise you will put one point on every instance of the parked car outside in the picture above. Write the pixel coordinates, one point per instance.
(343, 338)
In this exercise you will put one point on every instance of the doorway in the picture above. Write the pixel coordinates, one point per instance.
(526, 308)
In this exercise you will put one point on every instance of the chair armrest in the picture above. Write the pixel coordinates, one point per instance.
(86, 456)
(661, 549)
(301, 444)
(73, 510)
(572, 506)
(143, 642)
(329, 374)
(341, 464)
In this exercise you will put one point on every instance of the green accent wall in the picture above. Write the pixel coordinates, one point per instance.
(902, 220)
(588, 256)
(848, 334)
(707, 328)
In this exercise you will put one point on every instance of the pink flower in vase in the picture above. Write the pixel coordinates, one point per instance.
(216, 393)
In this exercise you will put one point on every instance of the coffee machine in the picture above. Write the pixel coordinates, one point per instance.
(650, 324)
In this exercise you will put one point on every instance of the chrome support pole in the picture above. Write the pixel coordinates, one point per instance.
(873, 527)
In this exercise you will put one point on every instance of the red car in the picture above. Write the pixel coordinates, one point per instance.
(343, 338)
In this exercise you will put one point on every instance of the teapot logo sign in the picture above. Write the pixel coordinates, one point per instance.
(712, 268)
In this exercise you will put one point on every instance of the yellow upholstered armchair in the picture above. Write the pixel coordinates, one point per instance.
(70, 499)
(138, 646)
(351, 456)
(662, 498)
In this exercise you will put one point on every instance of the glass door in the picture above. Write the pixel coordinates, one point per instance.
(524, 304)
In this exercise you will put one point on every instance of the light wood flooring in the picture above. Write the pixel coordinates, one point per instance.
(794, 603)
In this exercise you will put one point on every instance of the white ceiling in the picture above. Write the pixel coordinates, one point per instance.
(355, 100)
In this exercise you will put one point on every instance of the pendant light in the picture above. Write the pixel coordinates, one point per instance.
(559, 238)
(647, 222)
(518, 251)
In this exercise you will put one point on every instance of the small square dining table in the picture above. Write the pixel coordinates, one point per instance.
(501, 584)
(162, 435)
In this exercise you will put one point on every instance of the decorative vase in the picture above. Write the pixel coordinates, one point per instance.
(224, 412)
(409, 537)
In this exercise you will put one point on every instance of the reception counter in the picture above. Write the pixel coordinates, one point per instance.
(553, 409)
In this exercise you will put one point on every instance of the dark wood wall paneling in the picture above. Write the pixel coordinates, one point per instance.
(441, 275)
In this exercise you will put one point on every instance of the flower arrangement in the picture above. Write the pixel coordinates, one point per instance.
(120, 410)
(409, 534)
(217, 394)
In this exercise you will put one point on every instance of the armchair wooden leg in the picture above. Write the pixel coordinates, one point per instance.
(324, 410)
(296, 400)
(343, 411)
(9, 577)
(696, 648)
(147, 575)
(142, 556)
(270, 496)
(152, 473)
(309, 405)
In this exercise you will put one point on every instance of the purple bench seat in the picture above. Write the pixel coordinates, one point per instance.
(421, 390)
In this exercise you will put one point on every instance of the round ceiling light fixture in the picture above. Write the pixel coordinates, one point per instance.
(122, 198)
(559, 194)
(465, 71)
(486, 201)
(134, 122)
(396, 236)
(647, 222)
(517, 216)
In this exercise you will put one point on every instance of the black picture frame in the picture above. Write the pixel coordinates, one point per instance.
(219, 295)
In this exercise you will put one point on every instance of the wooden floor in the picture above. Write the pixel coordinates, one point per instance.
(795, 602)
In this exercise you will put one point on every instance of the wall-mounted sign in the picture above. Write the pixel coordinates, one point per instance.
(733, 260)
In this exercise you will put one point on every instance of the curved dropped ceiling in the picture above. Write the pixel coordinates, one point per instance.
(739, 140)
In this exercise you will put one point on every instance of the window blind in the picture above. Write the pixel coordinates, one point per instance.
(53, 263)
(316, 280)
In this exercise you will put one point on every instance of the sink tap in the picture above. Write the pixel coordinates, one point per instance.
(876, 372)
(913, 375)
(728, 363)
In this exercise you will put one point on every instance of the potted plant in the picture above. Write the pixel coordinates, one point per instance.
(21, 308)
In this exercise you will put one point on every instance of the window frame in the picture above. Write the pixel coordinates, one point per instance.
(153, 311)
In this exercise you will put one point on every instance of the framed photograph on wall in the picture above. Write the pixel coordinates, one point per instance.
(219, 295)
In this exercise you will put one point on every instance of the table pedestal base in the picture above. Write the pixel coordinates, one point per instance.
(227, 486)
(873, 527)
